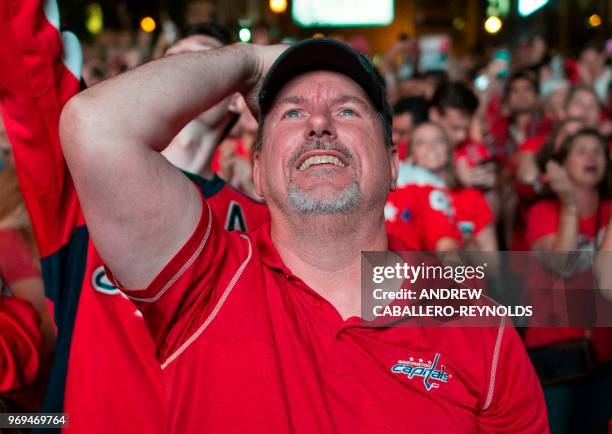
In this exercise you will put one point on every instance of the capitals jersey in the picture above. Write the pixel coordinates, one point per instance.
(105, 374)
(420, 210)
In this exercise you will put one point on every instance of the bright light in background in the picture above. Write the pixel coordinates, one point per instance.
(527, 7)
(594, 20)
(244, 34)
(94, 23)
(148, 24)
(324, 13)
(278, 6)
(493, 24)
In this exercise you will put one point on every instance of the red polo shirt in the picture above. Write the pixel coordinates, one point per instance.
(246, 346)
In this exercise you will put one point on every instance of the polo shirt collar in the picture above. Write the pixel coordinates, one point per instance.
(271, 258)
(269, 255)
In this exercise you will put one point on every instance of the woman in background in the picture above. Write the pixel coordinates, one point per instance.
(431, 150)
(578, 394)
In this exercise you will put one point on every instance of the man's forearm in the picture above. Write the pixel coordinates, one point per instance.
(111, 136)
(167, 94)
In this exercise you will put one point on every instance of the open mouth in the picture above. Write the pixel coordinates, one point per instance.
(590, 169)
(310, 159)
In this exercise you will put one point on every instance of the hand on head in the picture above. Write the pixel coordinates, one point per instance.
(263, 56)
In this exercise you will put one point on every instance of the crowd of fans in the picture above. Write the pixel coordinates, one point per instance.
(511, 153)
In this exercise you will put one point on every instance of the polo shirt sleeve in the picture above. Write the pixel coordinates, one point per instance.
(514, 401)
(542, 220)
(20, 343)
(187, 290)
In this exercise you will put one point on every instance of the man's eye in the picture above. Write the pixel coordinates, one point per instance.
(347, 112)
(292, 114)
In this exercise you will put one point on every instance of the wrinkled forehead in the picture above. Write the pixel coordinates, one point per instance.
(321, 85)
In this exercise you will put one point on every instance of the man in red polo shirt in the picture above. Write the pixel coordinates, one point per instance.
(261, 332)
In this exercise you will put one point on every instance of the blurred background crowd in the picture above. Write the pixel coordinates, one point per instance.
(504, 107)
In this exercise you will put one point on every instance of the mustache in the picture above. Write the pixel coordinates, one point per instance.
(320, 145)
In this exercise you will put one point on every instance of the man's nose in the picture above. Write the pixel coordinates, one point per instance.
(321, 125)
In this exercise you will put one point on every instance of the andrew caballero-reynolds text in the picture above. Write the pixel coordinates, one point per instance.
(427, 299)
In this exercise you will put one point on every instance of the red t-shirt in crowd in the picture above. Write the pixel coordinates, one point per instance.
(246, 346)
(421, 215)
(419, 212)
(472, 212)
(543, 220)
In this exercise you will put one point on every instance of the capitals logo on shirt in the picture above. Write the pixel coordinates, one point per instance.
(432, 375)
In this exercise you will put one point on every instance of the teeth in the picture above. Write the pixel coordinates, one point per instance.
(321, 159)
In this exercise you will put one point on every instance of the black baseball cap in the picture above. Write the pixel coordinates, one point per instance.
(325, 54)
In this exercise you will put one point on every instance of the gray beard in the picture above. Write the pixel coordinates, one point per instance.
(343, 202)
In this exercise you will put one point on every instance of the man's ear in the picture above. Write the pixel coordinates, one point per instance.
(394, 162)
(257, 173)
